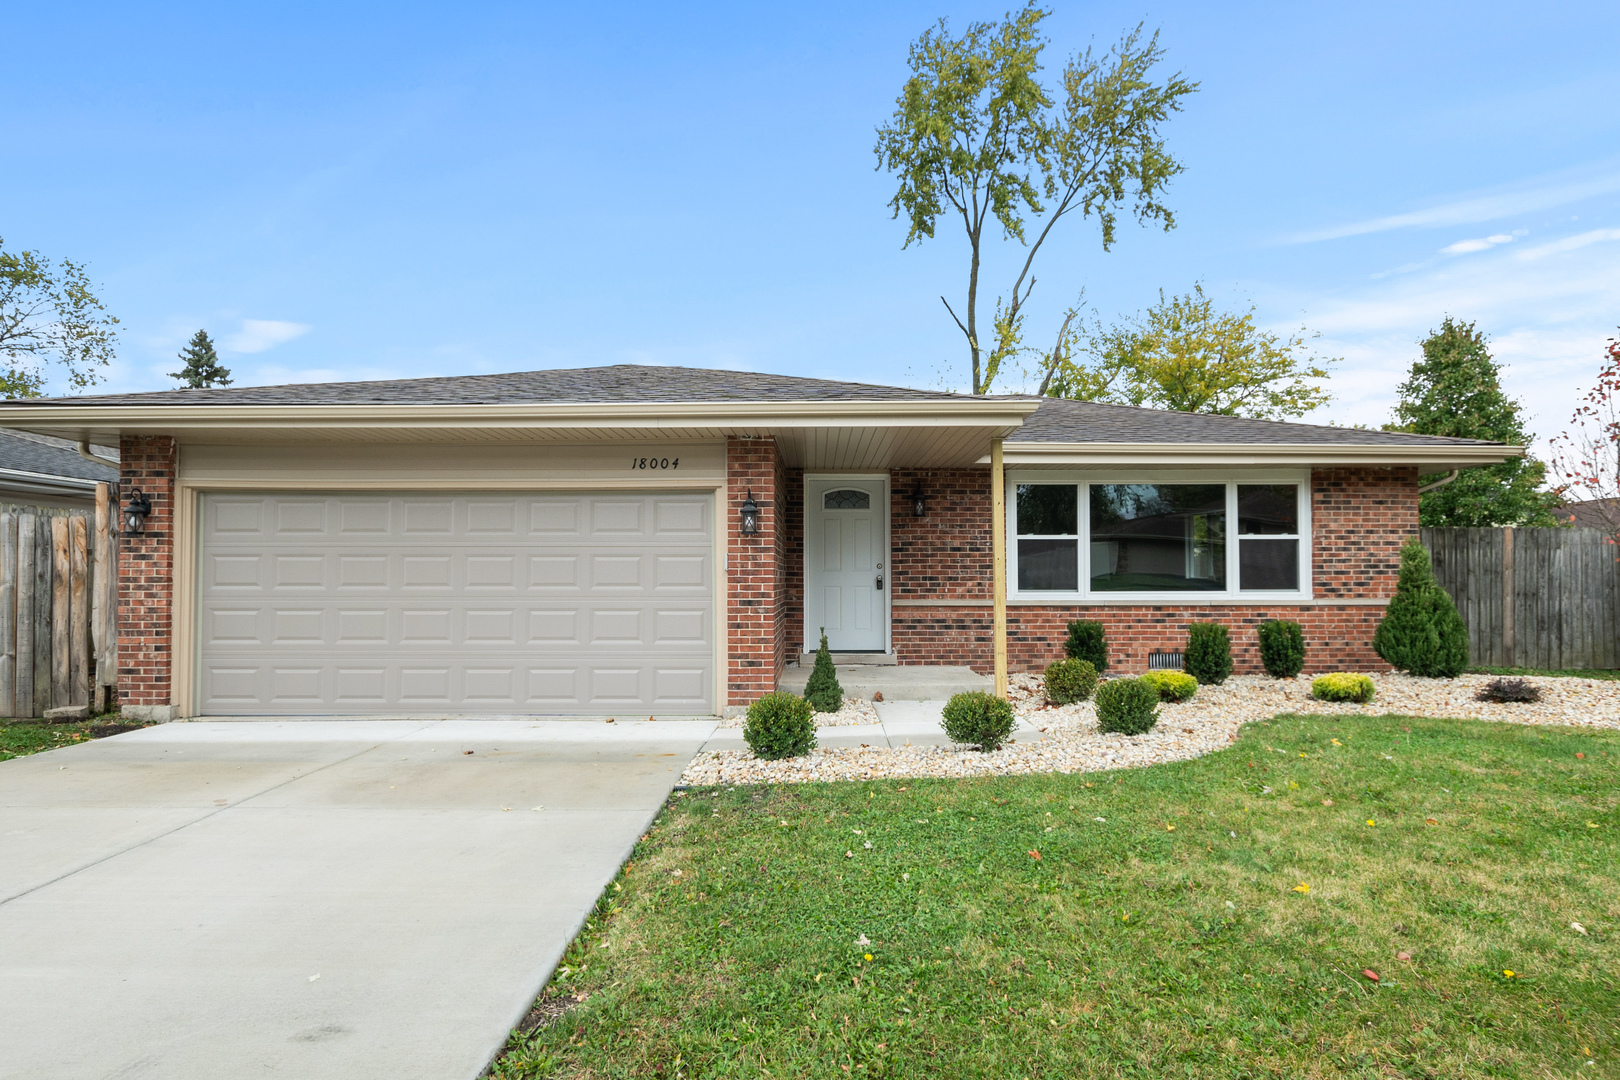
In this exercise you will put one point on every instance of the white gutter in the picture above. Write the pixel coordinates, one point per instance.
(84, 452)
(1194, 454)
(1441, 482)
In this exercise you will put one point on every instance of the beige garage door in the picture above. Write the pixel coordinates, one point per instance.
(400, 604)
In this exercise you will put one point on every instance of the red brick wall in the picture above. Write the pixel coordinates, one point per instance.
(1360, 516)
(146, 574)
(791, 497)
(756, 573)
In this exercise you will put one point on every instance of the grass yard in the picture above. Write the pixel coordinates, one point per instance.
(1210, 918)
(18, 738)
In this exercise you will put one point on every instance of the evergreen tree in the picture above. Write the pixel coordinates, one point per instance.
(1421, 632)
(822, 689)
(1455, 389)
(202, 366)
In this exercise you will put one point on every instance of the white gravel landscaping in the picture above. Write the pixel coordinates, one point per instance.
(854, 711)
(1071, 742)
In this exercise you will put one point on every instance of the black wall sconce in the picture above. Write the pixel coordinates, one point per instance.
(750, 515)
(136, 510)
(919, 504)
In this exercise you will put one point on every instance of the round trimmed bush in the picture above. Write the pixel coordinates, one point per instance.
(976, 718)
(1172, 685)
(780, 725)
(1282, 648)
(1342, 686)
(1068, 681)
(1127, 706)
(1208, 656)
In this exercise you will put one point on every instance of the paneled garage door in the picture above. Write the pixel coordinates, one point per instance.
(430, 604)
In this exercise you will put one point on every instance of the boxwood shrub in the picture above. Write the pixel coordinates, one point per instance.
(1088, 641)
(1343, 686)
(1127, 706)
(1208, 656)
(978, 719)
(1172, 685)
(1068, 681)
(780, 725)
(1282, 648)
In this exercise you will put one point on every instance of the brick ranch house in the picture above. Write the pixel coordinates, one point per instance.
(574, 542)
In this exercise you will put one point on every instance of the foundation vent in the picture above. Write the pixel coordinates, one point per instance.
(1164, 661)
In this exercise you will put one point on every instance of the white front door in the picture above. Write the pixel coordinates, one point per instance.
(846, 554)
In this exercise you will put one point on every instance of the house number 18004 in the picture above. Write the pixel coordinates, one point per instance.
(655, 463)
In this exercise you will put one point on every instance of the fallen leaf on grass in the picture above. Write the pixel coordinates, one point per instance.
(1577, 927)
(1403, 955)
(1327, 802)
(1371, 823)
(1302, 888)
(1430, 821)
(1506, 974)
(1579, 754)
(1370, 973)
(1035, 855)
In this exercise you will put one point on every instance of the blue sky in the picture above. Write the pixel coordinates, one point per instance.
(341, 191)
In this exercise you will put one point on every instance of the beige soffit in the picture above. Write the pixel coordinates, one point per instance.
(1430, 456)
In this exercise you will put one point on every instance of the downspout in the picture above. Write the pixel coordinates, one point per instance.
(998, 564)
(1440, 483)
(84, 452)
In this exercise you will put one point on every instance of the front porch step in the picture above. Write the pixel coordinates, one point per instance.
(851, 659)
(896, 682)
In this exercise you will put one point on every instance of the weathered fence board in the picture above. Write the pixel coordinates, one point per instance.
(1536, 598)
(58, 607)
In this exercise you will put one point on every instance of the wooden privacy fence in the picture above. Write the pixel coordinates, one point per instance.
(1536, 598)
(58, 607)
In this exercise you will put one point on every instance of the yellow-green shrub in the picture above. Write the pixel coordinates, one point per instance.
(1172, 685)
(1342, 686)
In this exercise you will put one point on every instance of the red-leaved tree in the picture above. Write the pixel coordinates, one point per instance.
(1586, 458)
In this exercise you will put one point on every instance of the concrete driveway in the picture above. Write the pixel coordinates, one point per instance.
(307, 899)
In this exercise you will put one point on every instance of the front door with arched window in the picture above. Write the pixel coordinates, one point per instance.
(846, 556)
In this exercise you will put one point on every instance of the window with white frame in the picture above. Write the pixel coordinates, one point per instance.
(1152, 537)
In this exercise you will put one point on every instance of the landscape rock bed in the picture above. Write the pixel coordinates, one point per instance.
(1071, 742)
(854, 711)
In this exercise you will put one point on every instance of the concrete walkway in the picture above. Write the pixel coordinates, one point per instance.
(307, 899)
(896, 682)
(900, 723)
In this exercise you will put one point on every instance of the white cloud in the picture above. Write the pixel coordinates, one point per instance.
(1470, 211)
(1464, 247)
(1570, 243)
(257, 335)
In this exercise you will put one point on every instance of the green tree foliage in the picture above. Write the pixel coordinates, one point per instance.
(49, 314)
(822, 688)
(1421, 631)
(1455, 389)
(201, 364)
(1184, 354)
(975, 134)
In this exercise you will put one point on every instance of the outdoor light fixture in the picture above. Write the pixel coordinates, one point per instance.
(135, 511)
(750, 515)
(919, 504)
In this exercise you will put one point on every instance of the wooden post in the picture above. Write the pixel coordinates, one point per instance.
(100, 563)
(1507, 597)
(61, 614)
(8, 613)
(42, 616)
(22, 699)
(79, 606)
(998, 562)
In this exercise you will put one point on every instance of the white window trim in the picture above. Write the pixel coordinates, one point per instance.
(1230, 595)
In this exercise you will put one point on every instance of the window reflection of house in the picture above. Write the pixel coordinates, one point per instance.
(1158, 536)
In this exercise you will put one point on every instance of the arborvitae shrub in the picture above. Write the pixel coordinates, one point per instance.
(822, 689)
(1071, 680)
(1127, 706)
(1342, 686)
(1088, 641)
(1172, 685)
(1421, 632)
(976, 718)
(780, 725)
(1208, 656)
(1282, 648)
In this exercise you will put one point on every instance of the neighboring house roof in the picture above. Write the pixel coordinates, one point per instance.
(818, 423)
(616, 383)
(1591, 513)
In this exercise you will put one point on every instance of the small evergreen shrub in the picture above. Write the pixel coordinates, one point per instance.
(1506, 691)
(1421, 632)
(1282, 648)
(1127, 706)
(976, 718)
(1342, 686)
(1071, 680)
(1088, 641)
(1208, 656)
(780, 725)
(1172, 685)
(822, 689)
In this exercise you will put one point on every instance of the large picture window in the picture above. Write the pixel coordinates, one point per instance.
(1155, 537)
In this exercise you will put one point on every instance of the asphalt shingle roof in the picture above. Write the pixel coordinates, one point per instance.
(1060, 420)
(30, 455)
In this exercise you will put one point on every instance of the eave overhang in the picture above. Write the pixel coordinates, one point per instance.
(1426, 457)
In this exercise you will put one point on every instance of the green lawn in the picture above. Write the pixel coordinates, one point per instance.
(1217, 924)
(18, 738)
